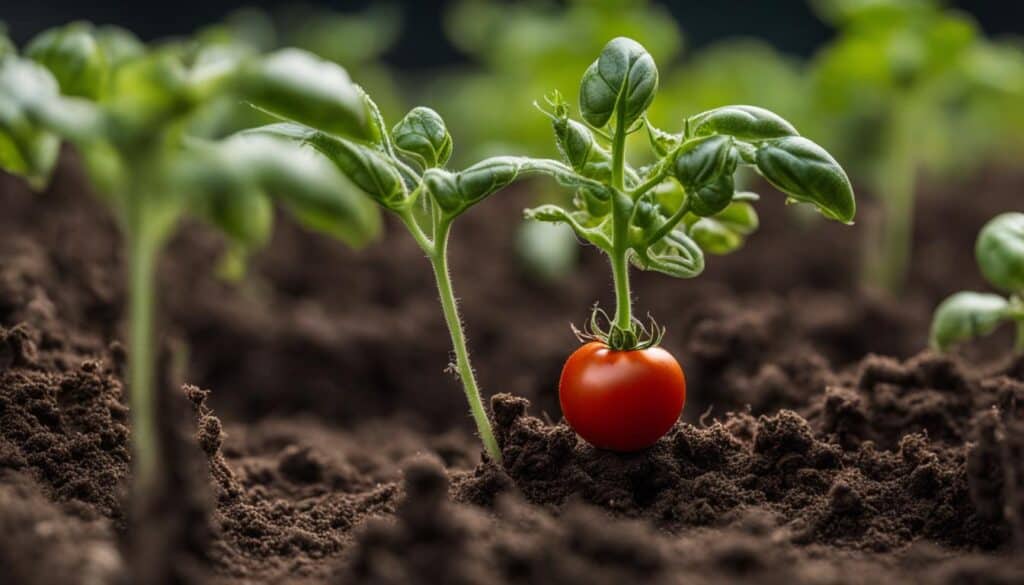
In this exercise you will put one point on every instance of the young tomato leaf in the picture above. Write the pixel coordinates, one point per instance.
(299, 86)
(675, 255)
(624, 78)
(807, 173)
(422, 136)
(701, 161)
(365, 167)
(309, 185)
(1000, 252)
(742, 122)
(966, 315)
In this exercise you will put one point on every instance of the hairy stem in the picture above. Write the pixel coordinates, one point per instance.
(142, 253)
(621, 208)
(439, 260)
(623, 298)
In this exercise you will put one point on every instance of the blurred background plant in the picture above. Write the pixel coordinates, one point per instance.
(357, 40)
(910, 86)
(900, 87)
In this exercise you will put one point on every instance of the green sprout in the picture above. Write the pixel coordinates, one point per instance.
(999, 252)
(664, 217)
(906, 86)
(134, 115)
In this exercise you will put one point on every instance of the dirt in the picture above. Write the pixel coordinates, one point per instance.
(316, 438)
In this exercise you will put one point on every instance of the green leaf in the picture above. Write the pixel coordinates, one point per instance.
(742, 122)
(25, 149)
(364, 166)
(704, 160)
(966, 315)
(306, 181)
(576, 220)
(456, 192)
(624, 78)
(662, 142)
(725, 232)
(808, 174)
(33, 116)
(299, 86)
(999, 251)
(75, 58)
(675, 255)
(118, 45)
(422, 136)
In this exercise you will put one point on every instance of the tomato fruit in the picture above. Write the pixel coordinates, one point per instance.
(621, 400)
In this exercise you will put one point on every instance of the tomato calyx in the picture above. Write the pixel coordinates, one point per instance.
(639, 336)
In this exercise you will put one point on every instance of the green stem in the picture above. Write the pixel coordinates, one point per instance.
(671, 223)
(141, 273)
(621, 208)
(623, 298)
(889, 256)
(439, 260)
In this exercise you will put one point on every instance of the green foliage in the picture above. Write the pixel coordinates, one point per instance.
(74, 55)
(521, 51)
(298, 86)
(622, 80)
(137, 116)
(906, 86)
(423, 137)
(999, 252)
(809, 174)
(664, 217)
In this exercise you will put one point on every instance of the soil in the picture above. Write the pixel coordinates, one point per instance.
(313, 435)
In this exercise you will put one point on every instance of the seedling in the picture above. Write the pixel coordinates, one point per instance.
(136, 116)
(664, 217)
(402, 169)
(999, 252)
(903, 89)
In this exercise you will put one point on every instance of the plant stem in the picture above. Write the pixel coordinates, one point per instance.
(621, 208)
(439, 260)
(141, 273)
(623, 298)
(889, 257)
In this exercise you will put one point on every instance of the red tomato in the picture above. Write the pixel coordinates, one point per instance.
(621, 400)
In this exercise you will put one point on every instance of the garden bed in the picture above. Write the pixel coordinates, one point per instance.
(319, 440)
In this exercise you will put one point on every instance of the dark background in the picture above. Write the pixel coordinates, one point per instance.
(788, 24)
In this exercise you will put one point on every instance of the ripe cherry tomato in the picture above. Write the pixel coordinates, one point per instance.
(621, 400)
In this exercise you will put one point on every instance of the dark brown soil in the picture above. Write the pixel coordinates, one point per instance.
(318, 438)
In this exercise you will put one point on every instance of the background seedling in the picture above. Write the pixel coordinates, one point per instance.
(965, 315)
(665, 216)
(906, 86)
(139, 119)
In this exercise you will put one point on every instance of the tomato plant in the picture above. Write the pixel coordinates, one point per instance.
(403, 170)
(665, 216)
(1000, 255)
(621, 400)
(140, 119)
